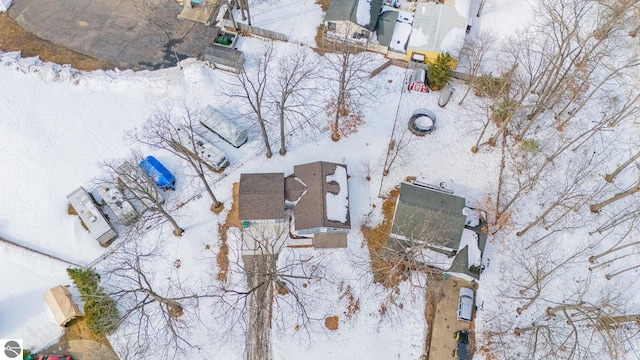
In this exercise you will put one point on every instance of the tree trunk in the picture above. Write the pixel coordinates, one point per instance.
(597, 207)
(177, 230)
(613, 321)
(610, 276)
(265, 136)
(283, 147)
(609, 177)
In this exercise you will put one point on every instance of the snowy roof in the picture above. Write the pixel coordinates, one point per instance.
(325, 202)
(4, 5)
(439, 27)
(261, 196)
(470, 239)
(89, 213)
(431, 216)
(355, 11)
(393, 28)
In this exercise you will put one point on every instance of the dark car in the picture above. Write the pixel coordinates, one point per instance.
(461, 352)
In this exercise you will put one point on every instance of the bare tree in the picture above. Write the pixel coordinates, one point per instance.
(269, 281)
(252, 88)
(398, 147)
(568, 194)
(584, 321)
(563, 61)
(164, 131)
(140, 189)
(619, 196)
(161, 311)
(611, 176)
(349, 67)
(473, 53)
(293, 92)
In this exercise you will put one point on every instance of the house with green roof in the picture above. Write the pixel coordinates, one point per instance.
(355, 19)
(436, 229)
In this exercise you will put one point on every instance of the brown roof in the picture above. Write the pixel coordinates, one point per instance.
(261, 196)
(330, 240)
(310, 211)
(293, 188)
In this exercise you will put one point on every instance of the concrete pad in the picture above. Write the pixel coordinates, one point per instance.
(131, 35)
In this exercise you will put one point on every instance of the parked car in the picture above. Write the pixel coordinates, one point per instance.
(461, 352)
(51, 357)
(465, 304)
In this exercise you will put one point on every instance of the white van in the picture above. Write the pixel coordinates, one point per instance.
(465, 304)
(220, 124)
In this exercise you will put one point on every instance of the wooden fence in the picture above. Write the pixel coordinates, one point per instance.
(228, 23)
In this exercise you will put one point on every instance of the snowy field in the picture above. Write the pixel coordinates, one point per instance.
(57, 125)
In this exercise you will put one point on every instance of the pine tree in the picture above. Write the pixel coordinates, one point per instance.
(100, 310)
(438, 73)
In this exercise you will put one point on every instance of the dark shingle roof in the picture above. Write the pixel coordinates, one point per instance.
(293, 188)
(310, 211)
(386, 24)
(261, 196)
(347, 10)
(428, 215)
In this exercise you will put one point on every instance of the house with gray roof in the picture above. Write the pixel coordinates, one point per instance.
(438, 229)
(356, 19)
(313, 202)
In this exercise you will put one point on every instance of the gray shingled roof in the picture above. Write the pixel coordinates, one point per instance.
(386, 24)
(261, 196)
(428, 215)
(347, 10)
(310, 211)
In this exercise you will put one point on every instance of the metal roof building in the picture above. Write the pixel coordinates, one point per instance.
(438, 28)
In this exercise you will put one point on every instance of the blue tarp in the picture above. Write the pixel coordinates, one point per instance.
(163, 178)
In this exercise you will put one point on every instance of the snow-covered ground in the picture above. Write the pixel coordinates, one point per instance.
(57, 125)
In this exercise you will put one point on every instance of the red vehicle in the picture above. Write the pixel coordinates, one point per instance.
(53, 357)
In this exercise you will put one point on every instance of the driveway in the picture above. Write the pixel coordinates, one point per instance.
(143, 34)
(445, 321)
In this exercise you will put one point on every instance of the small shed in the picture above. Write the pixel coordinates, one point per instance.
(418, 80)
(62, 306)
(91, 217)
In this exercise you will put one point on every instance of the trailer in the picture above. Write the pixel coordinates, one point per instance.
(110, 196)
(164, 178)
(133, 183)
(91, 217)
(223, 126)
(200, 149)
